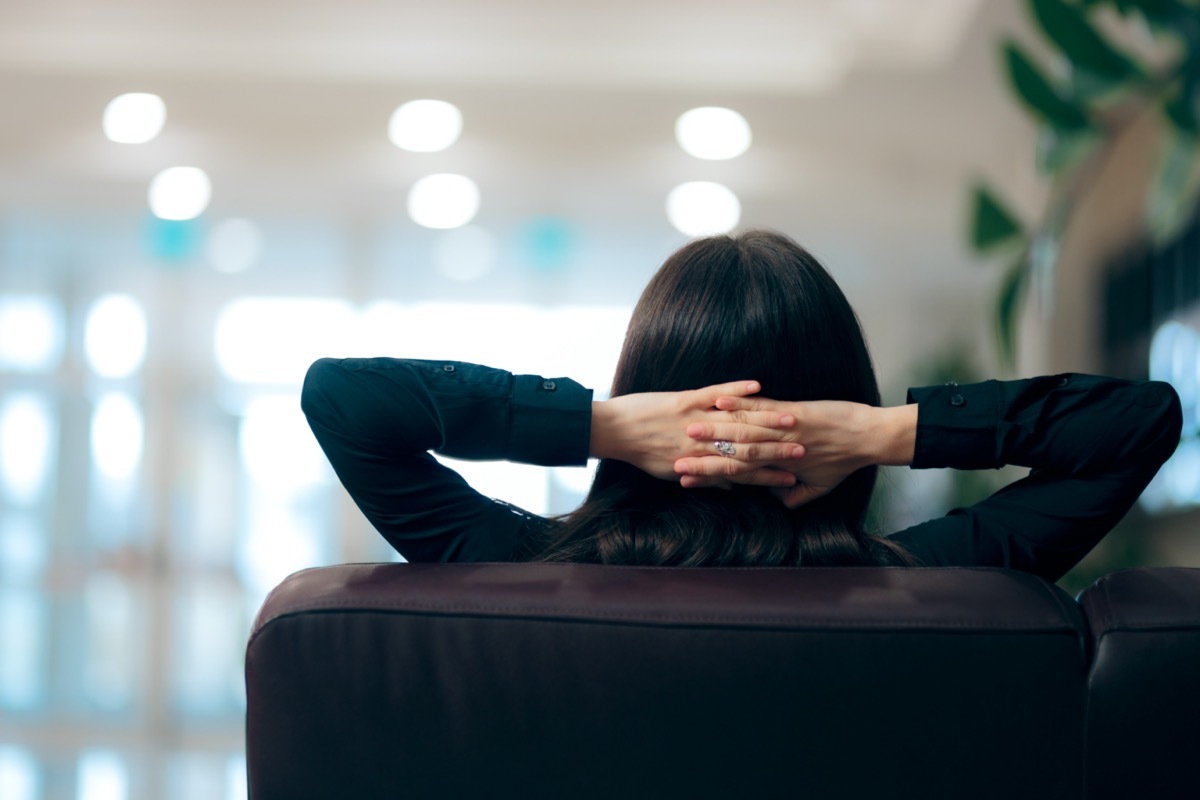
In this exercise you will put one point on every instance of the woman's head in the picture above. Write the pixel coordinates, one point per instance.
(750, 307)
(756, 306)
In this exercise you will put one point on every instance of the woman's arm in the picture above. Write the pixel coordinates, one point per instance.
(378, 418)
(1092, 443)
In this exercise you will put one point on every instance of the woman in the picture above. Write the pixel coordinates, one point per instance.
(697, 471)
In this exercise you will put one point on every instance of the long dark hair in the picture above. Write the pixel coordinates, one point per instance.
(755, 306)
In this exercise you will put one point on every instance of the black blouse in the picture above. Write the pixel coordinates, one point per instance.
(1093, 444)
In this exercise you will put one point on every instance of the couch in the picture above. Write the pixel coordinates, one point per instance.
(582, 681)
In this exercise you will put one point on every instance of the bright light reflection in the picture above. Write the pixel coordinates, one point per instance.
(1183, 477)
(109, 668)
(208, 630)
(22, 642)
(234, 245)
(425, 126)
(180, 193)
(24, 549)
(585, 344)
(277, 447)
(18, 774)
(235, 779)
(116, 436)
(115, 336)
(103, 775)
(465, 254)
(26, 441)
(702, 208)
(576, 480)
(31, 333)
(1175, 358)
(713, 133)
(273, 340)
(522, 485)
(279, 541)
(443, 201)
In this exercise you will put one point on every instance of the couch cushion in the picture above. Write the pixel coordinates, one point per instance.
(560, 680)
(1143, 728)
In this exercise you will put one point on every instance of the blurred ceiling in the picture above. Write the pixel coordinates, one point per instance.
(870, 117)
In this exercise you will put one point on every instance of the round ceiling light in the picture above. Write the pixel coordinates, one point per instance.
(443, 201)
(180, 193)
(702, 208)
(711, 133)
(425, 126)
(134, 118)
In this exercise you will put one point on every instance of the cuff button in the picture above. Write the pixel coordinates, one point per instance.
(448, 368)
(1063, 382)
(958, 400)
(549, 386)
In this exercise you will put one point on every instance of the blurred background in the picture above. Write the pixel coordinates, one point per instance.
(197, 200)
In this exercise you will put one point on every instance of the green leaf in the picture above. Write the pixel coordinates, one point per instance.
(1032, 87)
(1008, 308)
(1180, 107)
(1058, 152)
(1175, 189)
(1084, 47)
(1155, 11)
(991, 223)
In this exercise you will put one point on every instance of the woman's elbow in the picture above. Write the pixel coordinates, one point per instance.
(315, 394)
(1170, 420)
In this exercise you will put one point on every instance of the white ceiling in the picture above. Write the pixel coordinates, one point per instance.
(870, 118)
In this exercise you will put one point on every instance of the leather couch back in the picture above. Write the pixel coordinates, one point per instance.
(576, 681)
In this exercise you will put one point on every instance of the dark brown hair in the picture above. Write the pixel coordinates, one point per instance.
(756, 306)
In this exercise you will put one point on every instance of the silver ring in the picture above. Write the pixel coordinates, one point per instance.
(725, 448)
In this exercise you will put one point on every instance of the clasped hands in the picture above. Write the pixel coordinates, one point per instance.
(802, 450)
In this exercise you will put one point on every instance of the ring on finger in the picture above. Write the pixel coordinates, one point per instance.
(725, 448)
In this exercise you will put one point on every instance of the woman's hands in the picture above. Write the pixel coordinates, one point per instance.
(650, 431)
(838, 438)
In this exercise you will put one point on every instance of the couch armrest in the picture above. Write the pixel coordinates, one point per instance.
(1143, 727)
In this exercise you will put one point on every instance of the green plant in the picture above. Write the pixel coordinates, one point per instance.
(1079, 108)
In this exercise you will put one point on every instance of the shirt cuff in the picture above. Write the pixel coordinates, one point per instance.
(551, 423)
(956, 426)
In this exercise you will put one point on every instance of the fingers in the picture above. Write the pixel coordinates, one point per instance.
(798, 495)
(701, 482)
(736, 401)
(760, 430)
(707, 397)
(735, 469)
(745, 458)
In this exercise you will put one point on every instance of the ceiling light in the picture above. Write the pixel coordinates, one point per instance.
(701, 208)
(443, 201)
(134, 118)
(180, 193)
(425, 126)
(713, 133)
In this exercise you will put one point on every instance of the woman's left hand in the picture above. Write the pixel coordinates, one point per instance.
(649, 430)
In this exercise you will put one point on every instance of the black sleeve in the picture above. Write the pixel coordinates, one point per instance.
(377, 418)
(1093, 445)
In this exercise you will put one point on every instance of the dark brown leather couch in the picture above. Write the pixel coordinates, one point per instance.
(580, 681)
